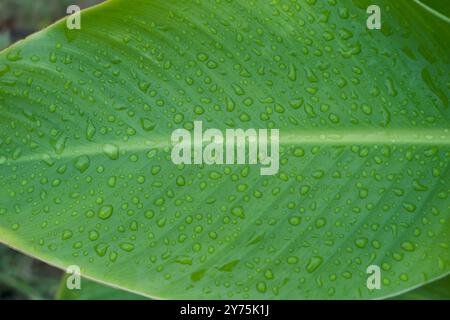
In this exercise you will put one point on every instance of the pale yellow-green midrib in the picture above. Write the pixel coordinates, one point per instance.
(419, 137)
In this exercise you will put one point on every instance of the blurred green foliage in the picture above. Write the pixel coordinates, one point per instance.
(22, 277)
(437, 290)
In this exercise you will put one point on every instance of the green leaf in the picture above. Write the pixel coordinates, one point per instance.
(91, 290)
(86, 176)
(436, 290)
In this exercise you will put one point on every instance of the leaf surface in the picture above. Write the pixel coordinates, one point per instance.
(436, 290)
(91, 290)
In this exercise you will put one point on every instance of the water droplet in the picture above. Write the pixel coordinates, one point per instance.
(82, 163)
(314, 263)
(111, 150)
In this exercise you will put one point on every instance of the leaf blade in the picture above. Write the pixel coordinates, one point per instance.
(101, 175)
